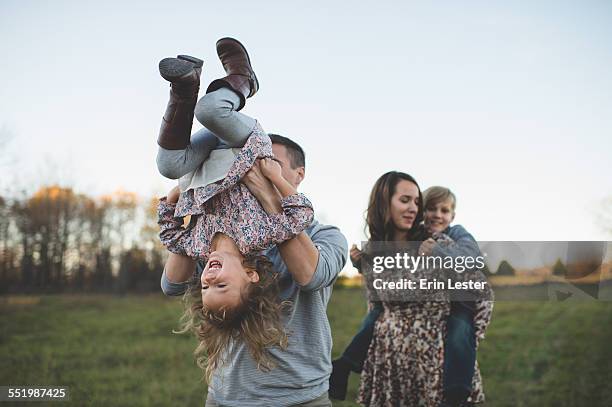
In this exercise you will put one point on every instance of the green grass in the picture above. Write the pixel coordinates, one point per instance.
(121, 352)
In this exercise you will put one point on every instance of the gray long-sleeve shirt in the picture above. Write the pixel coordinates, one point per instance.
(303, 370)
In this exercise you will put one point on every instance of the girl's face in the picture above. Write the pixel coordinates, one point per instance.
(439, 216)
(404, 206)
(224, 279)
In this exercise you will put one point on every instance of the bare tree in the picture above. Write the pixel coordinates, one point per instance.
(56, 238)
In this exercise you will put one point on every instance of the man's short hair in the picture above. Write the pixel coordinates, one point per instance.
(296, 154)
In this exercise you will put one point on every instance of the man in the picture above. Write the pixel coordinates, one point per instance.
(307, 265)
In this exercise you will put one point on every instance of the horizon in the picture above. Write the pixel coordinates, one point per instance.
(508, 105)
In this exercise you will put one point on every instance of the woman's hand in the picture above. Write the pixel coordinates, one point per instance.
(355, 254)
(271, 169)
(173, 195)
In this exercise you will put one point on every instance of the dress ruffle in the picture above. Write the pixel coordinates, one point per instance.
(258, 145)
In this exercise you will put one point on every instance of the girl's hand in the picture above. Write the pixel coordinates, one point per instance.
(427, 247)
(173, 195)
(262, 189)
(270, 168)
(355, 254)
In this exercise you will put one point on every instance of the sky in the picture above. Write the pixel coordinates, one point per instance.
(508, 103)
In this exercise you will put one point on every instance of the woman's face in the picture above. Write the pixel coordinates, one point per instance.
(404, 206)
(224, 279)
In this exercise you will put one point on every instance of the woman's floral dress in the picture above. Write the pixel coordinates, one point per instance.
(405, 361)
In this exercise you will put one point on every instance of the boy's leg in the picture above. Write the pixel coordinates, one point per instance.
(357, 351)
(459, 354)
(174, 164)
(354, 355)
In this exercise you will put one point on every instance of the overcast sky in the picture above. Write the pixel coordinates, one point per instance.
(507, 103)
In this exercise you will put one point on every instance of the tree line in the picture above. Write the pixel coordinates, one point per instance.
(58, 240)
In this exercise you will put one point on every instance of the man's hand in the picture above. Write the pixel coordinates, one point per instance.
(427, 247)
(173, 195)
(262, 188)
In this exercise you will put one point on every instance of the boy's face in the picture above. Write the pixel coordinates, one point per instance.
(439, 216)
(224, 279)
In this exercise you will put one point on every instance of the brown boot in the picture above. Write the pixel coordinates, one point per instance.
(183, 73)
(240, 76)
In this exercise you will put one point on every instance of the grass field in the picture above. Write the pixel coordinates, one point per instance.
(121, 352)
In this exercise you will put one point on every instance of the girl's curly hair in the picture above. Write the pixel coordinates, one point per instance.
(256, 321)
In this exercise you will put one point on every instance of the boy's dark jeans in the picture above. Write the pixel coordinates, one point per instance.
(459, 352)
(356, 352)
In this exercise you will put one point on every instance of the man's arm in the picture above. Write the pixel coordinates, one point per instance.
(299, 254)
(332, 249)
(301, 258)
(177, 272)
(179, 268)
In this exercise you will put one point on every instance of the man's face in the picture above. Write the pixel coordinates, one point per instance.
(293, 175)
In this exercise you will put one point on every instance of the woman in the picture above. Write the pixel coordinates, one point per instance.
(405, 361)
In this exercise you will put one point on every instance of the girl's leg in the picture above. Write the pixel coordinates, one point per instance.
(179, 151)
(174, 164)
(218, 111)
(183, 73)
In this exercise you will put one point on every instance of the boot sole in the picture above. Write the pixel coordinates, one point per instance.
(248, 59)
(174, 69)
(197, 62)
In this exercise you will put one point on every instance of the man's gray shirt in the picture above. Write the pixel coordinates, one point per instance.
(303, 370)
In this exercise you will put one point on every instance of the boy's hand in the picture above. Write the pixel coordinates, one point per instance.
(173, 195)
(427, 247)
(270, 168)
(355, 254)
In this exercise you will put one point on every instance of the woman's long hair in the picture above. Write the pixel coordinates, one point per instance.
(379, 224)
(256, 321)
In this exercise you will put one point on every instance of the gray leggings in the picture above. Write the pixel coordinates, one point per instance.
(224, 127)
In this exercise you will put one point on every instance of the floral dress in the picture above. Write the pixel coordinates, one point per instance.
(405, 362)
(228, 207)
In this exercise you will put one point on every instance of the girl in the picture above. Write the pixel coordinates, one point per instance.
(236, 295)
